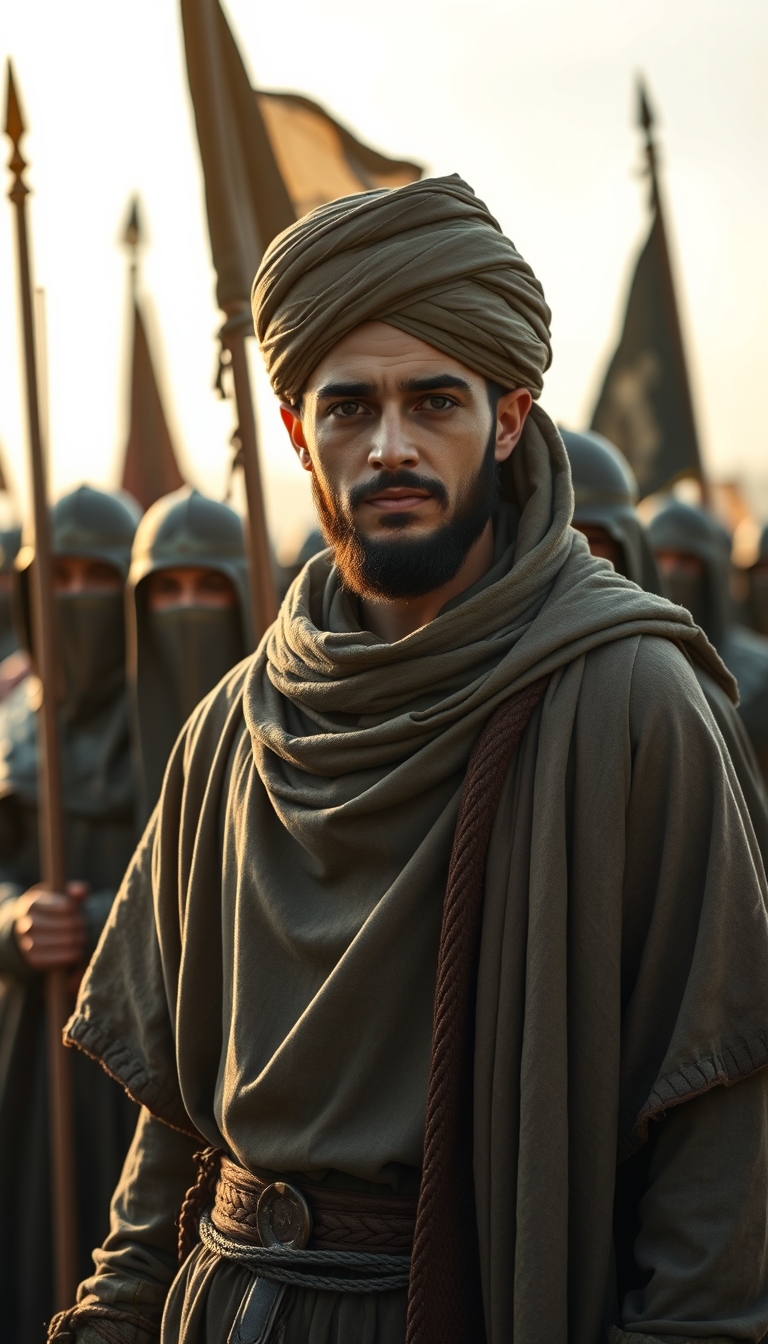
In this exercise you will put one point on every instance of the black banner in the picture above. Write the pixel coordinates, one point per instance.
(645, 405)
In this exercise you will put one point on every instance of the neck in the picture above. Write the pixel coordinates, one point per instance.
(394, 620)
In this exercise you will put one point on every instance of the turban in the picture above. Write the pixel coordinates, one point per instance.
(428, 258)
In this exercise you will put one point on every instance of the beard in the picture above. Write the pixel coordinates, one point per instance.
(404, 566)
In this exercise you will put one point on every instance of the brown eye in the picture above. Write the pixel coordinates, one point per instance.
(439, 403)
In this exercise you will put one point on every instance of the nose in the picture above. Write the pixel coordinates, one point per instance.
(391, 447)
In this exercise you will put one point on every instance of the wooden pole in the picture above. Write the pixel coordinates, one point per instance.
(49, 791)
(263, 601)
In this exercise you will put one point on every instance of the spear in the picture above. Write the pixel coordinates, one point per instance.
(49, 791)
(233, 335)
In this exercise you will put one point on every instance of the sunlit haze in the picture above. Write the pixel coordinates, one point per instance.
(533, 103)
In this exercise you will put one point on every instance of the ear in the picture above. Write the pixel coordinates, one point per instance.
(511, 414)
(296, 434)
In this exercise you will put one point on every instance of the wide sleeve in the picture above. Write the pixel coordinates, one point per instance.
(126, 1013)
(138, 1261)
(702, 1247)
(742, 756)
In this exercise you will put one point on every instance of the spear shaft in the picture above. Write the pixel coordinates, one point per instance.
(49, 788)
(233, 337)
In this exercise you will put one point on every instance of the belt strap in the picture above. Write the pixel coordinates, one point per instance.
(341, 1219)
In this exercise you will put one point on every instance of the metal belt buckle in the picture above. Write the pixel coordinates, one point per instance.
(283, 1217)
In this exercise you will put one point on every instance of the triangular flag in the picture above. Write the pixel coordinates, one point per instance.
(645, 405)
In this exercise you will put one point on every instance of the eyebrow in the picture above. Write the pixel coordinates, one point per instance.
(346, 390)
(431, 384)
(435, 383)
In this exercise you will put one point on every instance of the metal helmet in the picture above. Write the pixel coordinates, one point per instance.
(176, 657)
(92, 523)
(605, 493)
(690, 531)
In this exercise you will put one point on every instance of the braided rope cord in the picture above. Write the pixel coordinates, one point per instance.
(105, 1321)
(326, 1271)
(340, 1221)
(197, 1197)
(445, 1300)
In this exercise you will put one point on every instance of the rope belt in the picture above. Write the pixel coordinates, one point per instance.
(291, 1236)
(327, 1271)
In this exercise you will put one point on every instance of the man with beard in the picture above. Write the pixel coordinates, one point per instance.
(693, 553)
(436, 916)
(605, 493)
(91, 540)
(188, 620)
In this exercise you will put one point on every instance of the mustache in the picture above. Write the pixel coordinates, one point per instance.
(396, 480)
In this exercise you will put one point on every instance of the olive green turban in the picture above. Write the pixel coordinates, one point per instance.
(427, 258)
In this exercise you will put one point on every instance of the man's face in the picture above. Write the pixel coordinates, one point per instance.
(403, 446)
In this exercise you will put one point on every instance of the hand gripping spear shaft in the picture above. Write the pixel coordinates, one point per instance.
(49, 791)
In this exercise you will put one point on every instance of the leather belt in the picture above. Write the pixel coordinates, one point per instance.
(262, 1213)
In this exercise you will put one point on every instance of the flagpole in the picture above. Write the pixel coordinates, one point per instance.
(233, 337)
(49, 790)
(646, 121)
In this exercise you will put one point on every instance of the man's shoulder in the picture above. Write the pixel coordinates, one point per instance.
(652, 664)
(667, 697)
(652, 677)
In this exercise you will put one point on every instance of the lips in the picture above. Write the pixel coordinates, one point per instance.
(396, 500)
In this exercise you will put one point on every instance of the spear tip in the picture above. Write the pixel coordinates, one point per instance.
(14, 121)
(645, 115)
(133, 234)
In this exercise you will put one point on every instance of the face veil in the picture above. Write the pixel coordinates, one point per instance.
(195, 647)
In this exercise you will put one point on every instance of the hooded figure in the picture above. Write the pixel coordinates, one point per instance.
(757, 601)
(605, 493)
(91, 539)
(179, 649)
(448, 939)
(694, 554)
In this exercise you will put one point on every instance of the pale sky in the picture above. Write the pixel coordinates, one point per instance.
(532, 101)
